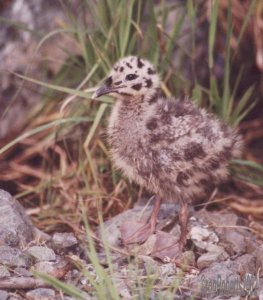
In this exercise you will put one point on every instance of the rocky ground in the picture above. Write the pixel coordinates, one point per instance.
(219, 246)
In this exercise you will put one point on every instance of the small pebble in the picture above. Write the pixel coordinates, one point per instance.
(57, 269)
(62, 241)
(13, 257)
(40, 294)
(42, 253)
(208, 258)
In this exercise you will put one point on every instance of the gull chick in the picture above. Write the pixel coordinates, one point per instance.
(171, 147)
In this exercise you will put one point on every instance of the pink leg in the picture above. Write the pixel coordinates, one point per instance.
(167, 247)
(183, 220)
(135, 232)
(155, 212)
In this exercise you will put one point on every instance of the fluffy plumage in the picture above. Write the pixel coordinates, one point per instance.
(170, 146)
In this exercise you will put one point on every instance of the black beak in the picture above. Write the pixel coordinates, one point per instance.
(103, 90)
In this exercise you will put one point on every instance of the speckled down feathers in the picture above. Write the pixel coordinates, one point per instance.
(170, 146)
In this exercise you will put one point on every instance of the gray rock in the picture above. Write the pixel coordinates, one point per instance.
(13, 257)
(4, 272)
(44, 267)
(234, 242)
(42, 253)
(3, 295)
(41, 294)
(208, 258)
(63, 242)
(15, 227)
(56, 269)
(203, 237)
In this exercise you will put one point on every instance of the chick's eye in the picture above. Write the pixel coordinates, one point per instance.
(131, 77)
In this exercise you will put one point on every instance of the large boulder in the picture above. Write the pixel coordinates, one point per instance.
(16, 230)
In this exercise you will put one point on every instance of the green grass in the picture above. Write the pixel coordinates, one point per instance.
(67, 120)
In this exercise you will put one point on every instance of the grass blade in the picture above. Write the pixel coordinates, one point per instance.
(65, 89)
(95, 124)
(42, 128)
(67, 288)
(212, 32)
(227, 101)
